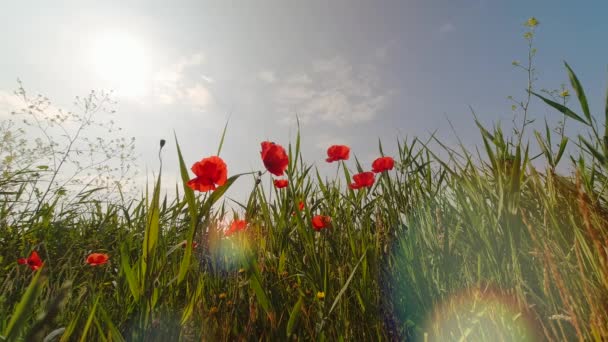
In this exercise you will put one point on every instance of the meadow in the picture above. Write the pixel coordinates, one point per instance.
(434, 243)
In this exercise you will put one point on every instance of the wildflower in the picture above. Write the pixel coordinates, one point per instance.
(229, 303)
(564, 93)
(280, 183)
(320, 295)
(241, 270)
(236, 226)
(337, 152)
(33, 261)
(213, 310)
(274, 157)
(383, 164)
(320, 221)
(300, 207)
(209, 172)
(222, 295)
(528, 35)
(532, 22)
(95, 259)
(363, 179)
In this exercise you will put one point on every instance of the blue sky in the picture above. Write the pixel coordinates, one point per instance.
(352, 71)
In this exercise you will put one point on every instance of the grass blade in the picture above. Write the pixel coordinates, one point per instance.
(24, 309)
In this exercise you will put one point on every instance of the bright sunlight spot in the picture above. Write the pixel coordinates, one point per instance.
(121, 59)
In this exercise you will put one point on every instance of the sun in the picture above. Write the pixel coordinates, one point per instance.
(121, 61)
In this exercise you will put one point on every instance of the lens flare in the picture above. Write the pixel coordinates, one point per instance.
(478, 314)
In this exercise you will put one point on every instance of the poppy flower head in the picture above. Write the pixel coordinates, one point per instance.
(209, 172)
(321, 221)
(363, 179)
(337, 152)
(33, 261)
(383, 164)
(236, 226)
(280, 183)
(95, 259)
(274, 157)
(301, 205)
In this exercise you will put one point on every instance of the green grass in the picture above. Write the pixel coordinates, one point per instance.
(466, 247)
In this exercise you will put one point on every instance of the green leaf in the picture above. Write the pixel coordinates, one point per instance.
(129, 274)
(544, 147)
(562, 148)
(594, 151)
(343, 289)
(219, 191)
(25, 308)
(114, 333)
(189, 193)
(87, 325)
(152, 228)
(219, 148)
(294, 314)
(580, 93)
(256, 286)
(565, 110)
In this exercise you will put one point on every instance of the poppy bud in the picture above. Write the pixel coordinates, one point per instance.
(162, 143)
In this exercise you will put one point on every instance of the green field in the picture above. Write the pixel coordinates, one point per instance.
(485, 244)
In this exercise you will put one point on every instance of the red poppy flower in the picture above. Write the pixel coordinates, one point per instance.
(95, 259)
(33, 261)
(362, 179)
(300, 208)
(280, 183)
(383, 164)
(337, 152)
(236, 226)
(209, 172)
(320, 221)
(274, 157)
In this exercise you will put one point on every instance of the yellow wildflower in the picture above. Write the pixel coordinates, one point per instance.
(320, 295)
(564, 93)
(222, 295)
(532, 22)
(213, 310)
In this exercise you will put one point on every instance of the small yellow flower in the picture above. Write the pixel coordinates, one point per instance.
(564, 93)
(528, 35)
(229, 303)
(532, 22)
(222, 295)
(320, 295)
(213, 310)
(241, 270)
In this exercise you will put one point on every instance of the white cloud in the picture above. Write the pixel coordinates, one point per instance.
(199, 96)
(333, 91)
(172, 85)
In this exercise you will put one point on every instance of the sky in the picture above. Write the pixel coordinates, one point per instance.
(353, 72)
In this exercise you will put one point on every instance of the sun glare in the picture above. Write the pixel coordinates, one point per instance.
(122, 62)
